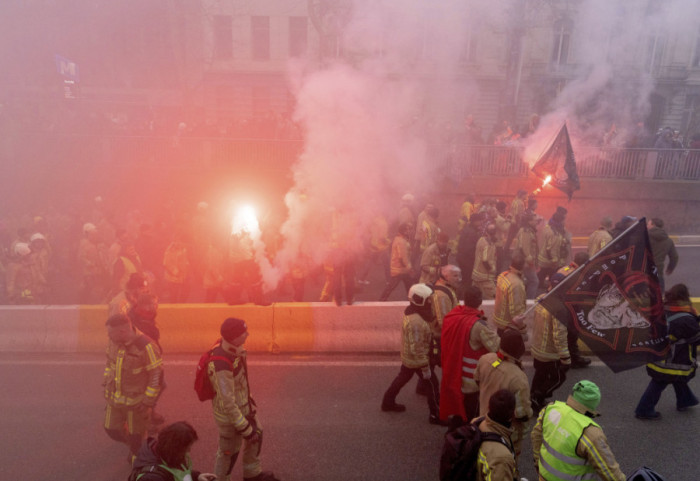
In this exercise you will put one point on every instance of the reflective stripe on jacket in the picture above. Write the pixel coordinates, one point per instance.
(562, 428)
(416, 337)
(133, 371)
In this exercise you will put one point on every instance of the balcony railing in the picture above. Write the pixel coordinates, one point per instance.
(460, 161)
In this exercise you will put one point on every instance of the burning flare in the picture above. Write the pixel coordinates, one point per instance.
(245, 221)
(546, 181)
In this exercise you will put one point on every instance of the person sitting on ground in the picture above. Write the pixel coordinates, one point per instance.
(167, 458)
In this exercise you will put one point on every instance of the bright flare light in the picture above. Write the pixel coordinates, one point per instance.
(245, 220)
(546, 181)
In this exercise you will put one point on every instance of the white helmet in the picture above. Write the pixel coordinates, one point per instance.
(418, 294)
(22, 249)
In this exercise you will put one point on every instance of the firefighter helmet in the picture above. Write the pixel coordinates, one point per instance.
(419, 294)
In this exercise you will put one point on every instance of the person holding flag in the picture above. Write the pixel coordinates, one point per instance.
(679, 367)
(550, 352)
(614, 302)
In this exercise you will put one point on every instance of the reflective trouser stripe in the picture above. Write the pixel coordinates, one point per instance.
(563, 476)
(562, 457)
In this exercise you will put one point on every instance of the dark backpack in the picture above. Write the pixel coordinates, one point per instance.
(202, 385)
(461, 451)
(645, 474)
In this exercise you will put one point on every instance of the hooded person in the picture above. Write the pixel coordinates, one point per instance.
(466, 337)
(503, 370)
(568, 444)
(167, 458)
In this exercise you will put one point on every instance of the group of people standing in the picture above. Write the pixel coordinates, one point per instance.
(134, 381)
(481, 362)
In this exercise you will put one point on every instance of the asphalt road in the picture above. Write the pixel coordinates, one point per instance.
(321, 417)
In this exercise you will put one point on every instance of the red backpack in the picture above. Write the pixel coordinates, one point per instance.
(202, 385)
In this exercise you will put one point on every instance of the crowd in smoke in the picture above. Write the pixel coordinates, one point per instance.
(78, 118)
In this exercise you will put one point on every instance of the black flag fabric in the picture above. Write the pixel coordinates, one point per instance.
(559, 162)
(614, 302)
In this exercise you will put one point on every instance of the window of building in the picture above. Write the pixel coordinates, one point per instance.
(654, 52)
(260, 30)
(561, 42)
(298, 36)
(468, 53)
(223, 36)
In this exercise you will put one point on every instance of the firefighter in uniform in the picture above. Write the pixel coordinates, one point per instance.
(234, 408)
(511, 300)
(577, 360)
(444, 300)
(554, 248)
(526, 244)
(132, 382)
(433, 258)
(503, 370)
(600, 237)
(568, 445)
(415, 347)
(465, 338)
(484, 273)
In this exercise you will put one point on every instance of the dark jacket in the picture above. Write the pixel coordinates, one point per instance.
(683, 336)
(662, 246)
(146, 463)
(466, 250)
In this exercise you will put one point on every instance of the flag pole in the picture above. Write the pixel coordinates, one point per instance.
(597, 254)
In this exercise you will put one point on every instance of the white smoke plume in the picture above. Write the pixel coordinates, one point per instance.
(374, 119)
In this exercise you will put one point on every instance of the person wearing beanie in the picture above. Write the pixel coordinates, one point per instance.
(568, 444)
(679, 366)
(466, 337)
(600, 237)
(496, 460)
(503, 370)
(555, 246)
(550, 351)
(234, 410)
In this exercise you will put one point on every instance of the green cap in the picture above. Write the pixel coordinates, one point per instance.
(587, 393)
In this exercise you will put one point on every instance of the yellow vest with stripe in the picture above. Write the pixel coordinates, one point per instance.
(562, 428)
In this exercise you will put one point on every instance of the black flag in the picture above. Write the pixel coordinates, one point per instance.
(614, 302)
(559, 162)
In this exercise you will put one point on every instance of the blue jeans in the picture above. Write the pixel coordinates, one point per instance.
(647, 404)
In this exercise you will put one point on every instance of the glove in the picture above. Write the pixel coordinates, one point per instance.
(425, 373)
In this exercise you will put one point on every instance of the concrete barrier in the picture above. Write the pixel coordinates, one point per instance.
(192, 328)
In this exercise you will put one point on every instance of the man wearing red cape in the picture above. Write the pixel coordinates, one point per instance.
(465, 338)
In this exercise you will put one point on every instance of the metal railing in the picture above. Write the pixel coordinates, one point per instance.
(460, 161)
